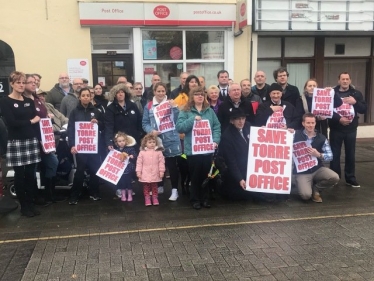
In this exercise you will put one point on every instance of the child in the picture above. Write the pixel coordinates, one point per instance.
(125, 144)
(150, 168)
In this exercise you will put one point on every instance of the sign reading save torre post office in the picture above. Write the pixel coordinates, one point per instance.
(167, 14)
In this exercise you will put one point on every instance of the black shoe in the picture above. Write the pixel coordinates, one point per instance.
(73, 202)
(42, 202)
(353, 183)
(27, 213)
(35, 211)
(59, 199)
(196, 206)
(206, 204)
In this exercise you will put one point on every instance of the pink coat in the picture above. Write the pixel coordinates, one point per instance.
(150, 163)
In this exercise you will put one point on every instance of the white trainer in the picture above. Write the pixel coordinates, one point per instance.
(174, 195)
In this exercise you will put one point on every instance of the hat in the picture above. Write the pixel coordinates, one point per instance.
(275, 87)
(41, 92)
(237, 113)
(85, 81)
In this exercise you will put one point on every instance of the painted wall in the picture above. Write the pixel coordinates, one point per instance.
(42, 40)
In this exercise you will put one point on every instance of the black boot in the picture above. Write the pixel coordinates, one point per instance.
(54, 197)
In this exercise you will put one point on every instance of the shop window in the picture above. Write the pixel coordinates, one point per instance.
(296, 47)
(110, 38)
(269, 47)
(268, 67)
(162, 45)
(205, 45)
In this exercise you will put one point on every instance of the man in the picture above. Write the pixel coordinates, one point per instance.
(60, 90)
(122, 80)
(290, 93)
(310, 183)
(261, 88)
(223, 84)
(343, 127)
(85, 83)
(182, 79)
(38, 78)
(245, 84)
(71, 101)
(278, 109)
(202, 82)
(138, 91)
(148, 93)
(234, 100)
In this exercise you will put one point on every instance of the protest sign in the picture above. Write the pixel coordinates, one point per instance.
(269, 166)
(86, 137)
(47, 135)
(202, 139)
(112, 168)
(346, 110)
(323, 102)
(301, 157)
(164, 117)
(276, 120)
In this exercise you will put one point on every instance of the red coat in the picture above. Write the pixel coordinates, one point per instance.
(150, 164)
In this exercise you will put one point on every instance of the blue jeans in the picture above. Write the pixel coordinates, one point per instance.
(49, 165)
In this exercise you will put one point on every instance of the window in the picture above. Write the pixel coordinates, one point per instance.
(170, 52)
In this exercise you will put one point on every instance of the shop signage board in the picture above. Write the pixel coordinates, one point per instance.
(165, 14)
(78, 68)
(306, 15)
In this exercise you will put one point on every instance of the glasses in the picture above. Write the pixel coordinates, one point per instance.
(78, 84)
(63, 78)
(199, 94)
(138, 88)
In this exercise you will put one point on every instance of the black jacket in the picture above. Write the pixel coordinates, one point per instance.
(291, 94)
(359, 107)
(174, 93)
(264, 111)
(222, 98)
(3, 136)
(227, 106)
(263, 93)
(117, 119)
(82, 114)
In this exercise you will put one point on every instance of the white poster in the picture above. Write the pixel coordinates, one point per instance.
(78, 68)
(47, 135)
(202, 138)
(323, 102)
(301, 157)
(164, 117)
(86, 137)
(112, 168)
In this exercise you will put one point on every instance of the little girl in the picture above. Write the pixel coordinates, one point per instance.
(125, 144)
(150, 168)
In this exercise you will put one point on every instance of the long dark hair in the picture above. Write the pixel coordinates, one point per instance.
(186, 88)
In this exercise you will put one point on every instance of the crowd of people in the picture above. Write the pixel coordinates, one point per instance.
(127, 123)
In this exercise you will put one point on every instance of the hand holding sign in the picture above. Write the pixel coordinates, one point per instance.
(304, 156)
(323, 102)
(164, 117)
(47, 135)
(86, 137)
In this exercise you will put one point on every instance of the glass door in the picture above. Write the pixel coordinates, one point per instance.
(299, 72)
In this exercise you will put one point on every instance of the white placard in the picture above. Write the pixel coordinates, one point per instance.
(276, 120)
(78, 68)
(301, 157)
(269, 166)
(112, 168)
(323, 102)
(164, 117)
(47, 135)
(346, 110)
(86, 137)
(202, 138)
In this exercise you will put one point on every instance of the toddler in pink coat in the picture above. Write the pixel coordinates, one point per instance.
(150, 168)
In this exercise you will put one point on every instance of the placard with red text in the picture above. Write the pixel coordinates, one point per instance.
(112, 168)
(346, 110)
(202, 138)
(276, 120)
(323, 102)
(269, 161)
(164, 117)
(301, 157)
(86, 137)
(47, 135)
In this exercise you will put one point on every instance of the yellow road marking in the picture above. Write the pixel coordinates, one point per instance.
(182, 227)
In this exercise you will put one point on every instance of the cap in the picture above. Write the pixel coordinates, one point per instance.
(237, 113)
(275, 87)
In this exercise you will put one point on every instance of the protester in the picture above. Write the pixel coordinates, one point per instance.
(198, 109)
(102, 148)
(213, 98)
(100, 95)
(254, 99)
(59, 91)
(261, 88)
(137, 96)
(276, 105)
(125, 144)
(311, 182)
(84, 112)
(223, 84)
(121, 80)
(150, 168)
(170, 139)
(70, 101)
(290, 93)
(202, 82)
(343, 128)
(191, 82)
(23, 147)
(234, 100)
(148, 93)
(182, 79)
(304, 105)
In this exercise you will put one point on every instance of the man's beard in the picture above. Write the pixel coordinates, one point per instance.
(64, 85)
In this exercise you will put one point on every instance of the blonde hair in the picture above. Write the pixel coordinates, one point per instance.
(191, 101)
(121, 135)
(147, 138)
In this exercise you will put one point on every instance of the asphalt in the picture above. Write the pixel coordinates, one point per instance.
(114, 240)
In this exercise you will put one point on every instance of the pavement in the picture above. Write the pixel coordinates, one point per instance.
(114, 240)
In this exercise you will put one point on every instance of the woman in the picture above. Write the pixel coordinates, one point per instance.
(100, 96)
(213, 98)
(84, 112)
(23, 153)
(191, 82)
(304, 105)
(99, 106)
(170, 139)
(122, 115)
(198, 109)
